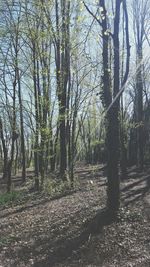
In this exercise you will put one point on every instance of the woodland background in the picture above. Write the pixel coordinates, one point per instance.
(74, 100)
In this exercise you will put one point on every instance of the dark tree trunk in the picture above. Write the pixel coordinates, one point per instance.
(112, 109)
(63, 72)
(113, 121)
(23, 160)
(36, 143)
(139, 111)
(63, 154)
(5, 151)
(17, 162)
(112, 124)
(113, 190)
(14, 137)
(55, 150)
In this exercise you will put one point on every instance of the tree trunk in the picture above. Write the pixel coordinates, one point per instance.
(139, 115)
(36, 143)
(22, 130)
(113, 122)
(5, 151)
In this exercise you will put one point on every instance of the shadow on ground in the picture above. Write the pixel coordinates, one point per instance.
(136, 190)
(67, 246)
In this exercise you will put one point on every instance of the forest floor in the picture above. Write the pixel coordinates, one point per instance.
(42, 232)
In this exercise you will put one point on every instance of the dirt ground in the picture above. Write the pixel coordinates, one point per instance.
(42, 232)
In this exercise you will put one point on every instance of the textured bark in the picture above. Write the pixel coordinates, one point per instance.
(62, 71)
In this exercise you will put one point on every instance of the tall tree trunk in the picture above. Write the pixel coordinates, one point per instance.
(139, 110)
(14, 136)
(141, 16)
(62, 71)
(36, 143)
(22, 129)
(113, 121)
(5, 151)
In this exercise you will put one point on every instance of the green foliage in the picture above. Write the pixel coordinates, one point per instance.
(98, 142)
(55, 187)
(8, 198)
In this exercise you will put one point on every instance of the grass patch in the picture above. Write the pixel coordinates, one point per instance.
(8, 198)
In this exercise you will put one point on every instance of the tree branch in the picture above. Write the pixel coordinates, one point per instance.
(127, 44)
(91, 13)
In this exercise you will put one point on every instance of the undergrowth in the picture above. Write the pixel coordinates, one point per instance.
(8, 198)
(55, 187)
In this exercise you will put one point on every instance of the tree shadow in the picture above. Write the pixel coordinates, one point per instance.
(136, 190)
(35, 204)
(133, 184)
(54, 248)
(69, 244)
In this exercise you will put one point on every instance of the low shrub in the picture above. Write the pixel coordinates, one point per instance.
(7, 198)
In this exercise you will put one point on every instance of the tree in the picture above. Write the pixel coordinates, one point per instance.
(140, 12)
(112, 111)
